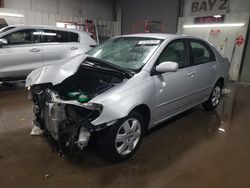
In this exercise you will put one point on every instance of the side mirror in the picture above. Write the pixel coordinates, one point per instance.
(3, 41)
(167, 66)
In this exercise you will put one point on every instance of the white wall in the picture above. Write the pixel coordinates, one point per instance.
(93, 9)
(237, 11)
(224, 41)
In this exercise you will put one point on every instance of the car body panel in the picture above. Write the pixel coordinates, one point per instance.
(174, 91)
(56, 73)
(204, 80)
(119, 101)
(54, 52)
(165, 95)
(19, 60)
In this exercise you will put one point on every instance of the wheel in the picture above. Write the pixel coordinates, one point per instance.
(120, 141)
(214, 98)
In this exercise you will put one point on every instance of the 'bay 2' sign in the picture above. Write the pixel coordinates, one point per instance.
(209, 6)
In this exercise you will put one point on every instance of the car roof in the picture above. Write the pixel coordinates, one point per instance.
(84, 36)
(163, 36)
(152, 35)
(44, 27)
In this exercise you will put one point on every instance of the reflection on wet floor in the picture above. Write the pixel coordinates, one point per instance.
(14, 85)
(194, 149)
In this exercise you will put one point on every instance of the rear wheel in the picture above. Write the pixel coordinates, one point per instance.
(215, 97)
(120, 141)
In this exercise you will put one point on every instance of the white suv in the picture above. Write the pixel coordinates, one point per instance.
(25, 48)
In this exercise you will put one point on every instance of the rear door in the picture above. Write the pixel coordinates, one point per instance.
(58, 45)
(205, 68)
(22, 54)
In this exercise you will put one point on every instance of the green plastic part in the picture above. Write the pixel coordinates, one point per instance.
(74, 95)
(83, 98)
(79, 96)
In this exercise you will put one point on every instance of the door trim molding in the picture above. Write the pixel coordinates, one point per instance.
(182, 97)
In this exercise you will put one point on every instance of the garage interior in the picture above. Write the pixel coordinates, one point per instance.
(193, 149)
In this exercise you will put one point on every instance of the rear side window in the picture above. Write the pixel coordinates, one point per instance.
(26, 36)
(73, 37)
(201, 52)
(55, 36)
(175, 52)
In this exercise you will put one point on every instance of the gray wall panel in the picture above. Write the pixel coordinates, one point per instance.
(93, 9)
(134, 11)
(245, 72)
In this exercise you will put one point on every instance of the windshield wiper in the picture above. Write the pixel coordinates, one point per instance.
(125, 72)
(105, 68)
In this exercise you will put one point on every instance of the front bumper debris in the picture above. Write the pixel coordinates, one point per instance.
(68, 123)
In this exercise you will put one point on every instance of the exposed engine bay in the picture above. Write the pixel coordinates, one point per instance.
(64, 109)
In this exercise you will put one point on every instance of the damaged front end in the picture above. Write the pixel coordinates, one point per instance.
(67, 121)
(65, 110)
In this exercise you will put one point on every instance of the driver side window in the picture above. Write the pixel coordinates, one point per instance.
(26, 36)
(176, 52)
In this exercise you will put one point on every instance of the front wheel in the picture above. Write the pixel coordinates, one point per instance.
(214, 98)
(121, 140)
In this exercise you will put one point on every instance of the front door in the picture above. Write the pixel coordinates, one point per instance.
(174, 90)
(21, 55)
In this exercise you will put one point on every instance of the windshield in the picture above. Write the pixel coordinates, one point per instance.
(6, 29)
(127, 52)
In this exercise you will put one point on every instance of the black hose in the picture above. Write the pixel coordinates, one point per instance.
(70, 141)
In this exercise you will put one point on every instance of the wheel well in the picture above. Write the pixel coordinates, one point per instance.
(143, 109)
(221, 81)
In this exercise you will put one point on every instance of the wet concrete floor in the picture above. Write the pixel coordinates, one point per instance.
(195, 149)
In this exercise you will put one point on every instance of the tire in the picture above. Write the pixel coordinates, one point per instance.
(116, 148)
(214, 99)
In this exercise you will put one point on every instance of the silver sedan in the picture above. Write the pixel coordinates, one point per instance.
(124, 87)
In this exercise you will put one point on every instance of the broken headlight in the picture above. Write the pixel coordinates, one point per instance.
(92, 106)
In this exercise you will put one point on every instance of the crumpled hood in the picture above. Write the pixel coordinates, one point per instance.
(56, 73)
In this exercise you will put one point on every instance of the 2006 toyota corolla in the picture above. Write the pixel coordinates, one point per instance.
(123, 87)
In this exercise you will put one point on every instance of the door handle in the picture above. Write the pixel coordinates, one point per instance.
(215, 67)
(74, 48)
(35, 50)
(191, 74)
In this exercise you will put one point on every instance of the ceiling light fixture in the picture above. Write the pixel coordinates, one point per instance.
(214, 25)
(217, 16)
(11, 14)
